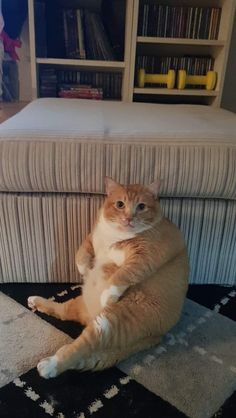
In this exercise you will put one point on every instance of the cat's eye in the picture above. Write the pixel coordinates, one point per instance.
(141, 207)
(119, 204)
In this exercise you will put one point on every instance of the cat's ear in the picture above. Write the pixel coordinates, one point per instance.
(111, 185)
(154, 188)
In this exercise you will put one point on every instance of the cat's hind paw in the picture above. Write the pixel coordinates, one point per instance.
(37, 303)
(31, 301)
(112, 294)
(47, 367)
(109, 296)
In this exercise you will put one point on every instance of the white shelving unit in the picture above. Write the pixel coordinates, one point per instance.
(134, 43)
(218, 49)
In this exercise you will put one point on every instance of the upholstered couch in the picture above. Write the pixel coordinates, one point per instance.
(56, 152)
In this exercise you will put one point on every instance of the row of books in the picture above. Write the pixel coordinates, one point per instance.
(85, 35)
(179, 21)
(160, 65)
(73, 83)
(48, 82)
(110, 82)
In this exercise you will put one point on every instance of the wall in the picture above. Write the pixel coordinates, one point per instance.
(229, 91)
(24, 65)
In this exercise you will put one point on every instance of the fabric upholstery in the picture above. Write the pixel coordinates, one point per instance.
(40, 234)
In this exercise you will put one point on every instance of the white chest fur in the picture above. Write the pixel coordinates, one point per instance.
(105, 236)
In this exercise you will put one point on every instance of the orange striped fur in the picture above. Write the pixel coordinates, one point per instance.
(135, 270)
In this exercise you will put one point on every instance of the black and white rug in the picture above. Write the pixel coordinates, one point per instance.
(192, 373)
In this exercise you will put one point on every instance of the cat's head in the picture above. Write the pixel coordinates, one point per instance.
(133, 208)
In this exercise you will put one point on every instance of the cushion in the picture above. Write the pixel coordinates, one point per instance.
(69, 145)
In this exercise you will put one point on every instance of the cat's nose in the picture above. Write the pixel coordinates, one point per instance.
(127, 220)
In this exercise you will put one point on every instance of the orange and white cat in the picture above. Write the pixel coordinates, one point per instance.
(135, 271)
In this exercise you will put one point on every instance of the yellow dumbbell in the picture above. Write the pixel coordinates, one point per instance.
(209, 80)
(168, 79)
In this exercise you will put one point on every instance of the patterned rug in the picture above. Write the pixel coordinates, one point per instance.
(192, 373)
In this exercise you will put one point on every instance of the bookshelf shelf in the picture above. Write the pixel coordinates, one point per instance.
(179, 41)
(175, 92)
(95, 64)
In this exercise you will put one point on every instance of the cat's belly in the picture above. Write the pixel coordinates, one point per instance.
(95, 282)
(93, 287)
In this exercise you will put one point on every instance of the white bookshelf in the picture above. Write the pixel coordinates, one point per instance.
(152, 45)
(83, 64)
(136, 44)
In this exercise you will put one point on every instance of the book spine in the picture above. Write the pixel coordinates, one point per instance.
(80, 34)
(66, 35)
(219, 10)
(140, 19)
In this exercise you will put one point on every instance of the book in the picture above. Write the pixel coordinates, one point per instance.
(85, 35)
(79, 15)
(80, 92)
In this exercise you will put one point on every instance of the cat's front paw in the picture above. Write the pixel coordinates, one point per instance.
(47, 367)
(82, 269)
(109, 296)
(32, 303)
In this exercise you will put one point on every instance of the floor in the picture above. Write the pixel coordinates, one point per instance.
(10, 109)
(73, 392)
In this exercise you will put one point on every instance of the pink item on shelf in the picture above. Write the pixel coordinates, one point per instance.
(10, 45)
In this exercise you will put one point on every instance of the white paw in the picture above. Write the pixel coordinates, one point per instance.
(31, 303)
(110, 295)
(48, 367)
(82, 269)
